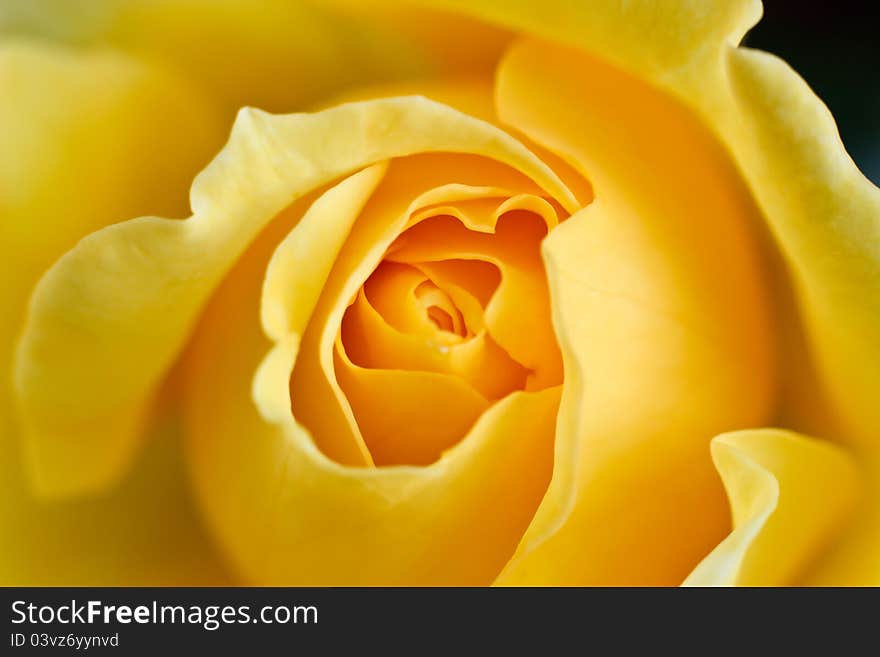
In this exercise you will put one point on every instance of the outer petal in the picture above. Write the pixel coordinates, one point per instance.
(651, 38)
(826, 216)
(88, 138)
(146, 531)
(665, 343)
(822, 212)
(273, 54)
(454, 44)
(110, 317)
(788, 495)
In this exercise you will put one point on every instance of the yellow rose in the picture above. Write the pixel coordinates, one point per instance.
(501, 324)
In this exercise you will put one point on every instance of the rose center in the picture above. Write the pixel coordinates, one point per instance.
(441, 309)
(454, 318)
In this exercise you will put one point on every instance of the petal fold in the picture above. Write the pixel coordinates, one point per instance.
(789, 494)
(301, 264)
(87, 138)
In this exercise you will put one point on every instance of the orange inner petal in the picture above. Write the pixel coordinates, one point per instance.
(518, 315)
(370, 342)
(322, 399)
(454, 317)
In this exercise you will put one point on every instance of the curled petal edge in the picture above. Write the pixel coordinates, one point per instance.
(789, 494)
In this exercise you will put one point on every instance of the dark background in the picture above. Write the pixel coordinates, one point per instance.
(835, 46)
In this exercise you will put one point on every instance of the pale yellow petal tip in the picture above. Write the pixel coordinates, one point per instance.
(271, 385)
(301, 263)
(790, 496)
(761, 490)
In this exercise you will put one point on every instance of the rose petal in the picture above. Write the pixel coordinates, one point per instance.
(482, 214)
(826, 217)
(479, 280)
(88, 138)
(273, 54)
(370, 342)
(474, 96)
(789, 494)
(429, 412)
(295, 277)
(391, 290)
(455, 44)
(301, 263)
(662, 317)
(146, 531)
(655, 39)
(853, 560)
